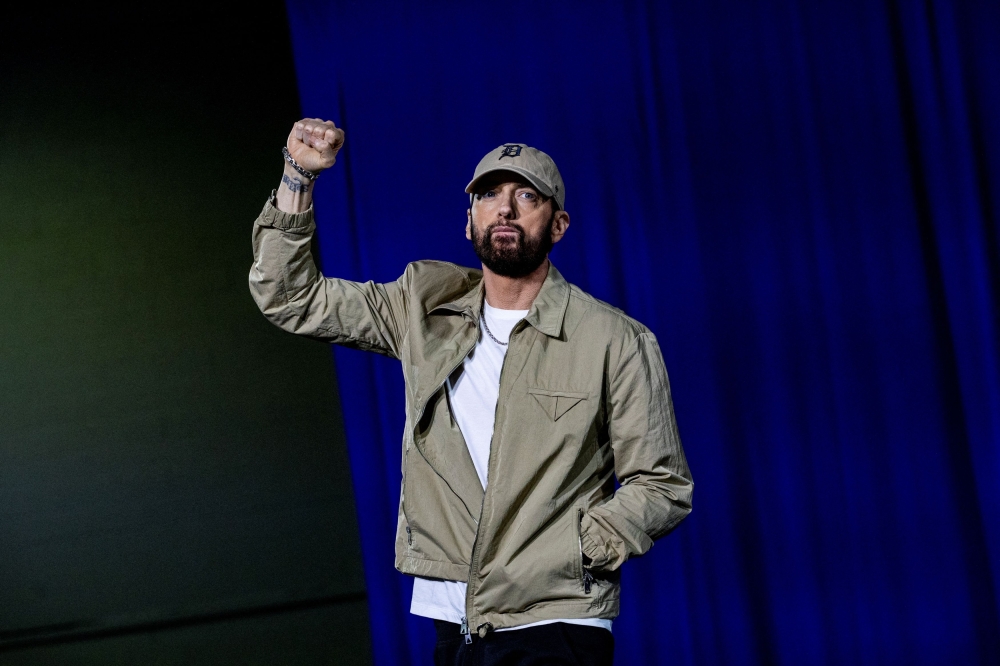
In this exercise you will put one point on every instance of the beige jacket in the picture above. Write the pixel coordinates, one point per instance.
(583, 398)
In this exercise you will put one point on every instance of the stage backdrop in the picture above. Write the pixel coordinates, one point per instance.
(800, 199)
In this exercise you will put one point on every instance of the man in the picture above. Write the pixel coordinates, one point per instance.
(524, 397)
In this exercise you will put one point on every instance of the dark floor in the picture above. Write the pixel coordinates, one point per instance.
(328, 635)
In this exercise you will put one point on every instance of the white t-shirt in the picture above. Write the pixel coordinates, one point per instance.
(473, 390)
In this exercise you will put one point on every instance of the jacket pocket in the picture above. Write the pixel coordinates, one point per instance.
(557, 403)
(586, 578)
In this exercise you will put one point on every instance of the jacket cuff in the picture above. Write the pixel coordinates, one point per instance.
(599, 553)
(297, 223)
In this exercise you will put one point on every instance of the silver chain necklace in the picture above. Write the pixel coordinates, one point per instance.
(486, 327)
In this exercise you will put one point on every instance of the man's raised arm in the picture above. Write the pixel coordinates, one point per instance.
(284, 280)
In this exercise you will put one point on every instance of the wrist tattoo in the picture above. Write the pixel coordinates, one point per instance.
(294, 184)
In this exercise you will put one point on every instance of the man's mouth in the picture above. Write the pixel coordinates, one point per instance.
(504, 231)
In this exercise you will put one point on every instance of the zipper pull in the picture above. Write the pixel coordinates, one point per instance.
(409, 536)
(464, 630)
(588, 579)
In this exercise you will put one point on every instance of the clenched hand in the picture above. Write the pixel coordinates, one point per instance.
(314, 143)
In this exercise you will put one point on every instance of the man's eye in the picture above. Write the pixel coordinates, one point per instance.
(488, 195)
(529, 195)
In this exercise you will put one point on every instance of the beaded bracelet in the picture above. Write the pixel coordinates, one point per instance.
(295, 165)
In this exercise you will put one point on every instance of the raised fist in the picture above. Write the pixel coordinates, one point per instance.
(314, 143)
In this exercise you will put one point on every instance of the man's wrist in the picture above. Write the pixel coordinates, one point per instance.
(294, 193)
(301, 170)
(273, 216)
(296, 184)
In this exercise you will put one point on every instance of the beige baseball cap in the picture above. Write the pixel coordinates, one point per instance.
(536, 167)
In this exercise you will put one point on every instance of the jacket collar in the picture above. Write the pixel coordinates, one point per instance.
(546, 314)
(549, 309)
(470, 303)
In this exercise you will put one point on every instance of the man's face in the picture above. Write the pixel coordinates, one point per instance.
(511, 225)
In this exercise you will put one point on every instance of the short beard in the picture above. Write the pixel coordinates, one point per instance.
(516, 259)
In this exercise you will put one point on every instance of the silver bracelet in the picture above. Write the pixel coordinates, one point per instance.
(306, 173)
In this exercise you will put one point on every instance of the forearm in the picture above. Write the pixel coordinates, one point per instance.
(639, 513)
(295, 192)
(283, 266)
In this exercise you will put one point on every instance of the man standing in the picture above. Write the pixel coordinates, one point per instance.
(525, 397)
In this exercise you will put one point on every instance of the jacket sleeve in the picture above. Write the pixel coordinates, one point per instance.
(656, 486)
(294, 295)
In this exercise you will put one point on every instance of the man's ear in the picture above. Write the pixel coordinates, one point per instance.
(560, 223)
(468, 223)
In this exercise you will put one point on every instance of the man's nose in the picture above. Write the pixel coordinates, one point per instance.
(507, 208)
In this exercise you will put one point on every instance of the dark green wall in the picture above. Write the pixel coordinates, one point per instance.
(173, 478)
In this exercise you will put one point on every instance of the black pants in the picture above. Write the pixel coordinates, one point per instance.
(556, 644)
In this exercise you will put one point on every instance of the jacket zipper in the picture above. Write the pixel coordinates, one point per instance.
(464, 630)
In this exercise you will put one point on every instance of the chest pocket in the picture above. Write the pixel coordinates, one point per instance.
(557, 403)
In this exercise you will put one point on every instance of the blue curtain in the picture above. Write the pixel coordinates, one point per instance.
(801, 199)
